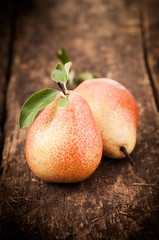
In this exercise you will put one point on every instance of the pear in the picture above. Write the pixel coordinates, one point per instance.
(64, 144)
(115, 111)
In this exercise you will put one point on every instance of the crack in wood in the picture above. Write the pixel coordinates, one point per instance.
(145, 52)
(12, 26)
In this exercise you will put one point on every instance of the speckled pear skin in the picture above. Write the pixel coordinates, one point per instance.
(64, 144)
(116, 114)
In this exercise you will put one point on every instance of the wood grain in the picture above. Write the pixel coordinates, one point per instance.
(6, 12)
(150, 16)
(118, 201)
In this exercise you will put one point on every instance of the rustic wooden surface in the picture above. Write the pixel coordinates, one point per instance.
(150, 17)
(118, 201)
(6, 14)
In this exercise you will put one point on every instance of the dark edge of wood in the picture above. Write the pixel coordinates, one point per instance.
(145, 52)
(12, 26)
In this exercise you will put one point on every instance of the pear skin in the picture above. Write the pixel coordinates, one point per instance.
(115, 111)
(64, 144)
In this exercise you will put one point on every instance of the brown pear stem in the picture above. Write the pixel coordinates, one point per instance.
(123, 149)
(62, 88)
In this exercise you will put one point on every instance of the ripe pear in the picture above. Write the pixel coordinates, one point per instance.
(115, 111)
(64, 143)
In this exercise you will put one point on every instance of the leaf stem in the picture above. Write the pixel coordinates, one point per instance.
(123, 149)
(62, 89)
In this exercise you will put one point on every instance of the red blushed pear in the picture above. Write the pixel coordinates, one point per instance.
(115, 111)
(63, 144)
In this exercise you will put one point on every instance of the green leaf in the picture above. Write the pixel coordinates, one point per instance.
(67, 67)
(81, 78)
(62, 56)
(36, 102)
(59, 74)
(71, 76)
(85, 76)
(63, 102)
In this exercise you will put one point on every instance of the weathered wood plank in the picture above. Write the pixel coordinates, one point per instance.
(118, 201)
(6, 11)
(150, 15)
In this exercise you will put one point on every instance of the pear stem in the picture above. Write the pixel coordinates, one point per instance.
(62, 89)
(123, 149)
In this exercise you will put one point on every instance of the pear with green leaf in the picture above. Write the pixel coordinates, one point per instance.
(63, 144)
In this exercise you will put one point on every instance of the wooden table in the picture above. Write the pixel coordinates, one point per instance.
(115, 39)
